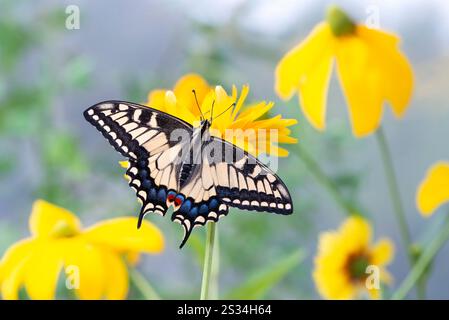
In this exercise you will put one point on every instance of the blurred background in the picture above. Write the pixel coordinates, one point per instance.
(122, 50)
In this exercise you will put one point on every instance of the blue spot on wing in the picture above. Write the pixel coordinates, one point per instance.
(162, 195)
(213, 204)
(193, 213)
(204, 209)
(185, 207)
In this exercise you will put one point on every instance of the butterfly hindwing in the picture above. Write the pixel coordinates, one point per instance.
(242, 181)
(200, 204)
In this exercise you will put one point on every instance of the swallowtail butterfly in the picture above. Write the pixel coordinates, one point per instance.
(172, 163)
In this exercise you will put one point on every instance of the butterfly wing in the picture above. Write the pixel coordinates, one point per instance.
(151, 140)
(244, 182)
(229, 176)
(200, 201)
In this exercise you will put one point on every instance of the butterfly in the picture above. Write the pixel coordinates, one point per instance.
(173, 164)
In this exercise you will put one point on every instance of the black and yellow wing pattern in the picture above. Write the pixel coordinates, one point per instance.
(226, 176)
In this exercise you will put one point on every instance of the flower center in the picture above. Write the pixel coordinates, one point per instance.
(341, 24)
(357, 265)
(63, 230)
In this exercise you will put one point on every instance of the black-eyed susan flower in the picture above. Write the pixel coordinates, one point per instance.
(243, 125)
(347, 261)
(93, 257)
(371, 69)
(434, 189)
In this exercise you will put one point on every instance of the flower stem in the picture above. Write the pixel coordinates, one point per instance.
(208, 263)
(326, 182)
(397, 203)
(213, 289)
(142, 284)
(394, 190)
(423, 262)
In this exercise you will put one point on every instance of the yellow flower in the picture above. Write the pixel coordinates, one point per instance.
(434, 189)
(341, 265)
(370, 67)
(91, 258)
(242, 125)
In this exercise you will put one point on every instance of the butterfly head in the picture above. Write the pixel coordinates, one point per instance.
(205, 125)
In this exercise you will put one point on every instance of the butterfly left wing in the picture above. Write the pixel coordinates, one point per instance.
(146, 137)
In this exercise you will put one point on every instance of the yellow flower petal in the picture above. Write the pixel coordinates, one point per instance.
(156, 99)
(122, 234)
(116, 275)
(375, 294)
(239, 104)
(385, 276)
(307, 68)
(434, 189)
(382, 252)
(14, 255)
(12, 267)
(362, 82)
(356, 232)
(11, 283)
(170, 104)
(397, 74)
(183, 91)
(46, 218)
(88, 260)
(42, 271)
(124, 164)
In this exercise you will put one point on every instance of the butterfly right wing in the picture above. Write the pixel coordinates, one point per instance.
(151, 140)
(242, 181)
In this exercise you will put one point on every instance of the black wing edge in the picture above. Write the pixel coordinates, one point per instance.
(132, 104)
(237, 193)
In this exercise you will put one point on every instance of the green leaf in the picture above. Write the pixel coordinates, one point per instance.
(264, 280)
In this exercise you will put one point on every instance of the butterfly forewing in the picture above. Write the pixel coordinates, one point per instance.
(145, 136)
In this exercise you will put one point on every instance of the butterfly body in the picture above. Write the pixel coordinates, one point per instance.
(172, 164)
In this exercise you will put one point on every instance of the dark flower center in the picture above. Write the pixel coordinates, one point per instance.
(356, 266)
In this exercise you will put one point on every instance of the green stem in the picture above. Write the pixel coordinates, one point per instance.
(398, 208)
(394, 190)
(208, 262)
(423, 262)
(323, 179)
(142, 284)
(213, 289)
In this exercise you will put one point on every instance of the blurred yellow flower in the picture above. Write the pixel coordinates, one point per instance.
(370, 67)
(91, 258)
(343, 258)
(434, 189)
(243, 121)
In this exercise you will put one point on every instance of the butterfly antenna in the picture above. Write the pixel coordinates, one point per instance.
(197, 104)
(232, 105)
(212, 111)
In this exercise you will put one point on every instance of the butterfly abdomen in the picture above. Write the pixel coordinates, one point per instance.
(186, 170)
